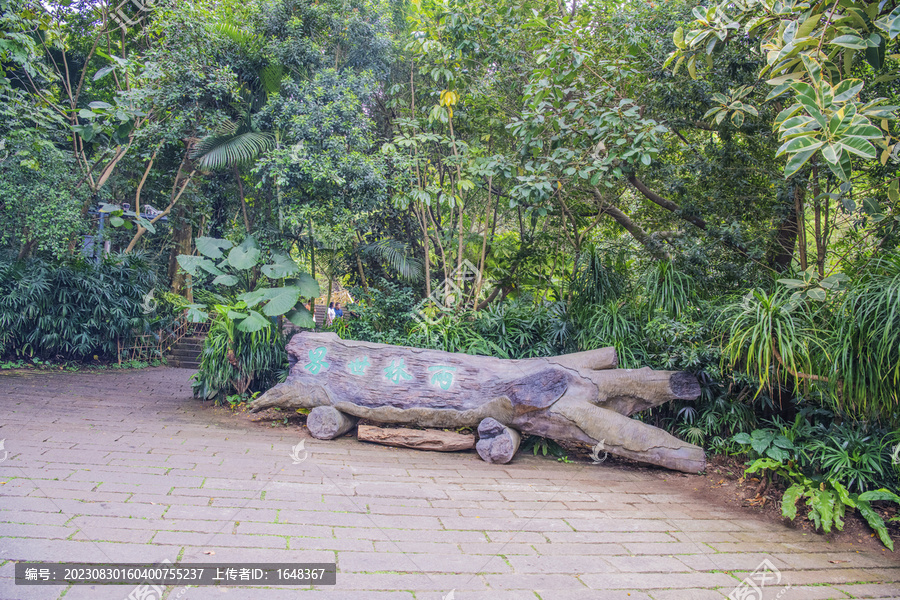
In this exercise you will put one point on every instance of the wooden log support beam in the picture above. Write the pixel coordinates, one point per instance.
(576, 398)
(419, 439)
(327, 422)
(497, 443)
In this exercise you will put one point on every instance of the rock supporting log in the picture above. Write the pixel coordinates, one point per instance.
(327, 422)
(497, 443)
(420, 439)
(579, 397)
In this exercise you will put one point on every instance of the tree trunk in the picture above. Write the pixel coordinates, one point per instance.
(785, 242)
(182, 233)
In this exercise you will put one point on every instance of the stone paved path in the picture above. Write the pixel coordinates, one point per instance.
(125, 467)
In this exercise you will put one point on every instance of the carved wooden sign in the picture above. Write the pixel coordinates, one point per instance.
(579, 397)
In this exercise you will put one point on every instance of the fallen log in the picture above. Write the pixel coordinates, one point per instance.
(419, 439)
(576, 398)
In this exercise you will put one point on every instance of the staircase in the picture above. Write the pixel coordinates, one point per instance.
(185, 353)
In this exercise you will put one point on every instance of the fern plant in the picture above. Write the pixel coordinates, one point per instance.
(827, 499)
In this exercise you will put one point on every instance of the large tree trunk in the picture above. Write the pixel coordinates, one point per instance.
(182, 233)
(578, 397)
(785, 242)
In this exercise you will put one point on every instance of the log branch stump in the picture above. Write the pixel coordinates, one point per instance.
(327, 422)
(497, 443)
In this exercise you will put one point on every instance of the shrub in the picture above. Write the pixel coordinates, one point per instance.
(238, 361)
(72, 309)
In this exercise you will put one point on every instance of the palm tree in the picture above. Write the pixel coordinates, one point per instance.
(239, 142)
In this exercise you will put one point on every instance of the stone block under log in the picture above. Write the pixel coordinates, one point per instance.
(327, 422)
(581, 397)
(419, 439)
(497, 443)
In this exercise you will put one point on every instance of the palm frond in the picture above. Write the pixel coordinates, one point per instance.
(398, 256)
(232, 145)
(241, 37)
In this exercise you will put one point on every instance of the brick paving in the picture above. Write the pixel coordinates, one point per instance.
(126, 467)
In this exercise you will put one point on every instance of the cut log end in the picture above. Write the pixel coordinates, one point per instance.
(327, 422)
(497, 444)
(684, 386)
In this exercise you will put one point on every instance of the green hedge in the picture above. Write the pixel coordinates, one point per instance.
(74, 309)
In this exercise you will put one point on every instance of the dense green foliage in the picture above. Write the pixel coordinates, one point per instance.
(72, 310)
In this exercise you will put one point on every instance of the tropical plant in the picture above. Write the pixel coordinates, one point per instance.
(850, 454)
(666, 289)
(767, 443)
(867, 342)
(74, 309)
(813, 52)
(827, 499)
(240, 271)
(774, 337)
(238, 359)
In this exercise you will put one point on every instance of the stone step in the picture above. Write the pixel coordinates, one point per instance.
(182, 364)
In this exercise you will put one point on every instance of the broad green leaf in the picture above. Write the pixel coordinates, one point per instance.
(875, 522)
(741, 438)
(100, 105)
(778, 454)
(150, 227)
(243, 257)
(864, 130)
(191, 264)
(792, 283)
(796, 162)
(212, 247)
(876, 50)
(858, 146)
(822, 502)
(253, 322)
(301, 318)
(253, 298)
(788, 112)
(281, 267)
(309, 287)
(103, 72)
(762, 463)
(283, 302)
(796, 121)
(228, 280)
(789, 501)
(817, 294)
(116, 221)
(882, 494)
(840, 167)
(783, 442)
(844, 495)
(797, 144)
(849, 41)
(737, 119)
(196, 314)
(210, 267)
(808, 26)
(847, 90)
